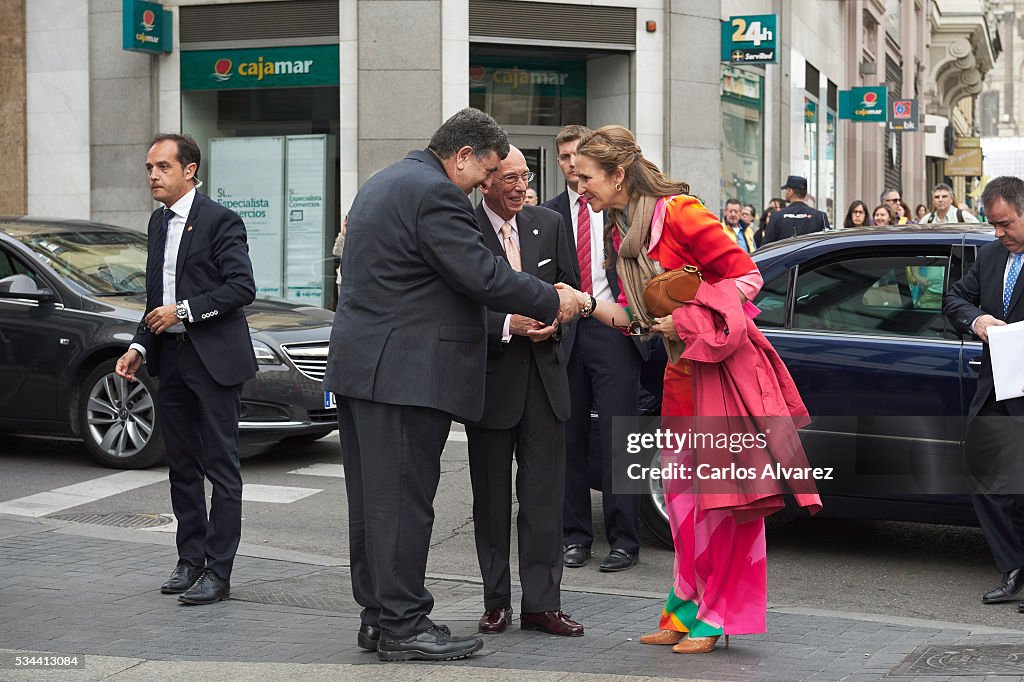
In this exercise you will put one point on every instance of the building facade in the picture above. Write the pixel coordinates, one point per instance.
(296, 102)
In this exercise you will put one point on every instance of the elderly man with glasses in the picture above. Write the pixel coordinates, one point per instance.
(526, 404)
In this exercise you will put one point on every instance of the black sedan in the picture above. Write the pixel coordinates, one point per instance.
(71, 296)
(857, 317)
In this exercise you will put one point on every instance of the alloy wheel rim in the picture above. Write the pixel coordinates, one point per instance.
(120, 416)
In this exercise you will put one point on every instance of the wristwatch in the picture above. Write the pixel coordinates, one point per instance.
(181, 310)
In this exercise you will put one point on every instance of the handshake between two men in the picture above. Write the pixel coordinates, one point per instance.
(571, 303)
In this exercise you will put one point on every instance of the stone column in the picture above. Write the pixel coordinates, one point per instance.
(13, 163)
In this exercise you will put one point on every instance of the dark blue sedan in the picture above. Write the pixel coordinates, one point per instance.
(857, 317)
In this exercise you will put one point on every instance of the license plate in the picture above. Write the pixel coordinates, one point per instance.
(329, 401)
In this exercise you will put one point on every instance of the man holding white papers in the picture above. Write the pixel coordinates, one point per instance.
(988, 296)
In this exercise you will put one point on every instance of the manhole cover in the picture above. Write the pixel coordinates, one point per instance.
(332, 591)
(991, 659)
(118, 519)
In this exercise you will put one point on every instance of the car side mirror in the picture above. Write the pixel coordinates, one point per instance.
(24, 287)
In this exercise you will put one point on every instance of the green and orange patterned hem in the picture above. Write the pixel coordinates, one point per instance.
(681, 615)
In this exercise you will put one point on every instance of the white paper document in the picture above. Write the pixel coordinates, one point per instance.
(1006, 344)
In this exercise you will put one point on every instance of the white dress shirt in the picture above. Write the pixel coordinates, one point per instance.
(602, 290)
(175, 229)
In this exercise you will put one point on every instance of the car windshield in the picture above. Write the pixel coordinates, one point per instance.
(104, 263)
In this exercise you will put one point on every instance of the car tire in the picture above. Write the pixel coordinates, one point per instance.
(653, 512)
(310, 437)
(117, 419)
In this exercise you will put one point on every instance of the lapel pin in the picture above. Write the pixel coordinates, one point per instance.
(189, 228)
(536, 232)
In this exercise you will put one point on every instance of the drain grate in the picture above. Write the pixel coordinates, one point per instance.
(118, 519)
(991, 659)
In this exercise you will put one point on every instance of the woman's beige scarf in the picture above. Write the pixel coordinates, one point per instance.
(633, 266)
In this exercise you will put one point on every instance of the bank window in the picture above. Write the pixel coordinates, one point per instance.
(742, 135)
(884, 295)
(529, 91)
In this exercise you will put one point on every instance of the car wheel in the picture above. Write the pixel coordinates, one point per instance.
(310, 437)
(653, 511)
(117, 419)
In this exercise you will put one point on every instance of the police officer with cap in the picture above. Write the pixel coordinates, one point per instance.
(797, 217)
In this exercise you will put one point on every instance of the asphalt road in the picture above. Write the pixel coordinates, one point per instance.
(893, 569)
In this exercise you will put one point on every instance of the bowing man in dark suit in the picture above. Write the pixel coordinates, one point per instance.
(989, 295)
(525, 408)
(194, 337)
(409, 352)
(604, 370)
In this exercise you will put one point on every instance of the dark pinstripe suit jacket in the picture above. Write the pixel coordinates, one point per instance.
(411, 326)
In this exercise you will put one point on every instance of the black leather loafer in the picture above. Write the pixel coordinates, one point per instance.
(208, 589)
(575, 556)
(618, 560)
(1012, 583)
(435, 644)
(368, 637)
(182, 578)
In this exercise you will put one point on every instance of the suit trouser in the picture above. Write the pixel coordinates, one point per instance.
(995, 442)
(538, 441)
(604, 369)
(199, 418)
(392, 459)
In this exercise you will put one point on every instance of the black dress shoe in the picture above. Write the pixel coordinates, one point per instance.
(1012, 583)
(435, 644)
(496, 621)
(368, 637)
(575, 556)
(208, 589)
(182, 577)
(618, 560)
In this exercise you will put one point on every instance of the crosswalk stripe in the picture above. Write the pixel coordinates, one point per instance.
(278, 494)
(322, 469)
(58, 499)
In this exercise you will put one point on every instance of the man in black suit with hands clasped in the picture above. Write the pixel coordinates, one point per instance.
(194, 337)
(525, 408)
(988, 296)
(408, 352)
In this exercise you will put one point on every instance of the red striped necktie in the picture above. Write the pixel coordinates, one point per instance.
(583, 247)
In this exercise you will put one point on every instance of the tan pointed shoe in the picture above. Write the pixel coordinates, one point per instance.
(698, 645)
(662, 637)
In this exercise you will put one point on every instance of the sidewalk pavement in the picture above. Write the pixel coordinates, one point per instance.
(93, 591)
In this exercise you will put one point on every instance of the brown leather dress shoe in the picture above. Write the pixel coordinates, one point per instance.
(496, 620)
(551, 622)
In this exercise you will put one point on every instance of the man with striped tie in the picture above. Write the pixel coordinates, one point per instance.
(526, 403)
(604, 371)
(989, 295)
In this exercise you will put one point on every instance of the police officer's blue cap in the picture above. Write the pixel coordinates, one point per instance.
(795, 182)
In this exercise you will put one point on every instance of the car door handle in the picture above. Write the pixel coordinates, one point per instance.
(974, 364)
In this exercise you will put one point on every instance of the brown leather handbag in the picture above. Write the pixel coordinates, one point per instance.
(671, 289)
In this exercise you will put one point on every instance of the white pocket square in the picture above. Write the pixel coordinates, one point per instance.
(544, 262)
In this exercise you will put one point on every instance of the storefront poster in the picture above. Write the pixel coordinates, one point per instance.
(305, 218)
(247, 176)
